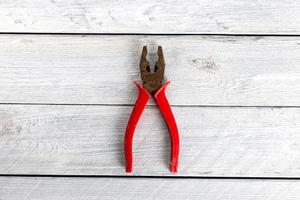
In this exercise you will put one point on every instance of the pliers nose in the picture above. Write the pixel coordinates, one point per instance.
(152, 80)
(152, 85)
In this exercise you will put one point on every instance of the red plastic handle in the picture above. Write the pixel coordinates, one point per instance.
(137, 111)
(168, 116)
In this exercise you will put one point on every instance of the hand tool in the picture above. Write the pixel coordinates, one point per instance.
(152, 86)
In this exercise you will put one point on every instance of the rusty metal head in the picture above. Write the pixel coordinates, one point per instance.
(152, 81)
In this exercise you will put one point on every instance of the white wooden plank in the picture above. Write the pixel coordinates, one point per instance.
(142, 16)
(88, 140)
(36, 188)
(246, 71)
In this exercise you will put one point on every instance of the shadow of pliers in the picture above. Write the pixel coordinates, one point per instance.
(152, 86)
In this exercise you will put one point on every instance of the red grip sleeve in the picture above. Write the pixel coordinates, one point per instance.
(168, 116)
(136, 113)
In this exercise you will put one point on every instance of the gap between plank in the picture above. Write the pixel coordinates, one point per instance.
(155, 34)
(124, 105)
(149, 176)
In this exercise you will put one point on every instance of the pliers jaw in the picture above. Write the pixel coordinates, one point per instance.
(152, 81)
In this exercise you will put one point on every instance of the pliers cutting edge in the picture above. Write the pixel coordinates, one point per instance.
(152, 86)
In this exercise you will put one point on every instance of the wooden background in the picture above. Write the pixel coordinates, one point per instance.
(66, 92)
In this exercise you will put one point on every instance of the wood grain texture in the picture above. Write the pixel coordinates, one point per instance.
(15, 188)
(227, 71)
(88, 140)
(142, 16)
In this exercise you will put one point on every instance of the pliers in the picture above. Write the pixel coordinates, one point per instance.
(152, 86)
